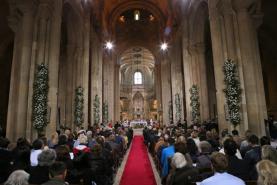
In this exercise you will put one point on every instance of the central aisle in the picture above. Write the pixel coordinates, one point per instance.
(138, 170)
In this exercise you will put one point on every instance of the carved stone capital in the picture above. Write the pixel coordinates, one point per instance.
(26, 6)
(243, 5)
(45, 9)
(225, 7)
(18, 9)
(14, 21)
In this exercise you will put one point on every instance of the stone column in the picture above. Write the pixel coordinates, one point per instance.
(40, 55)
(176, 79)
(187, 67)
(158, 84)
(166, 88)
(218, 58)
(117, 94)
(53, 63)
(227, 12)
(251, 67)
(109, 93)
(86, 66)
(96, 73)
(18, 99)
(70, 86)
(195, 74)
(202, 81)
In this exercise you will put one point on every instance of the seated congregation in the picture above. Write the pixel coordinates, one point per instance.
(198, 155)
(83, 157)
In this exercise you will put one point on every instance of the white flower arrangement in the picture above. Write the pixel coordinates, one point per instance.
(232, 91)
(194, 103)
(79, 106)
(40, 98)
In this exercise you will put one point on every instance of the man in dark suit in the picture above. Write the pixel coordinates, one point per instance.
(236, 166)
(6, 159)
(253, 156)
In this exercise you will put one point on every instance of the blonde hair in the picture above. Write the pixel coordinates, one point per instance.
(178, 160)
(83, 139)
(270, 153)
(267, 171)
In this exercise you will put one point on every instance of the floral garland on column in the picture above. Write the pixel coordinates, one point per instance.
(232, 91)
(105, 112)
(96, 110)
(194, 103)
(40, 98)
(79, 106)
(178, 107)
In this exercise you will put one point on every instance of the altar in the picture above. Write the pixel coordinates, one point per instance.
(138, 123)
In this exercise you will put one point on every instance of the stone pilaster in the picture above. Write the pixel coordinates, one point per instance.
(96, 73)
(86, 66)
(230, 45)
(53, 63)
(199, 77)
(166, 88)
(19, 86)
(219, 56)
(187, 67)
(251, 67)
(117, 93)
(176, 79)
(157, 71)
(108, 82)
(70, 86)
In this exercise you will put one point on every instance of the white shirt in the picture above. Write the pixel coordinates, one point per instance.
(34, 157)
(238, 155)
(222, 178)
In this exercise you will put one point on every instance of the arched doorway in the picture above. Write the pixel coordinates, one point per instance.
(137, 84)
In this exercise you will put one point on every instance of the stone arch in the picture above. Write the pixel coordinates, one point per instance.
(73, 22)
(198, 18)
(125, 5)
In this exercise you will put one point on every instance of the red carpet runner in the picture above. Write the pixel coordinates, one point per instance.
(138, 170)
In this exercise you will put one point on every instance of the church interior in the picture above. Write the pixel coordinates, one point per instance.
(80, 63)
(136, 78)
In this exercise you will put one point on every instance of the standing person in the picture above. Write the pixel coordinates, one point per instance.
(220, 166)
(253, 156)
(237, 167)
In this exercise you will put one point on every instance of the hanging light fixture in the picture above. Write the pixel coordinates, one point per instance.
(164, 46)
(136, 15)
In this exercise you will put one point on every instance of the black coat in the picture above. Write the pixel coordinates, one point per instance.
(6, 159)
(252, 157)
(39, 174)
(184, 176)
(238, 167)
(99, 172)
